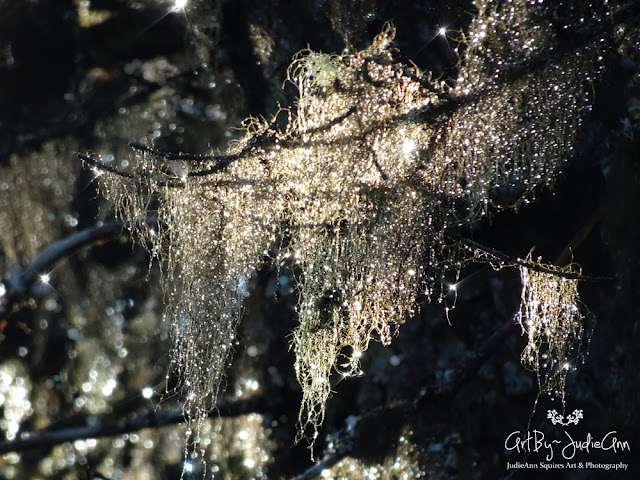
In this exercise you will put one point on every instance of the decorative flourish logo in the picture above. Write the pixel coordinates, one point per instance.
(572, 418)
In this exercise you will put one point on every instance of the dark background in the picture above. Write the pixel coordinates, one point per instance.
(92, 76)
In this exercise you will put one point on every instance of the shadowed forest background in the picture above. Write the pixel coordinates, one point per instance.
(84, 354)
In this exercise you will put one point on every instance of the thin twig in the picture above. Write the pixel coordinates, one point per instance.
(142, 179)
(170, 155)
(222, 161)
(498, 255)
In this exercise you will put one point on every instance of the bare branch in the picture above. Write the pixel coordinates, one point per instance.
(151, 419)
(222, 161)
(19, 284)
(142, 179)
(262, 140)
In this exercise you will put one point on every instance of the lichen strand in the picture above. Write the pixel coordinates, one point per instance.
(527, 94)
(550, 317)
(403, 162)
(217, 238)
(378, 162)
(211, 235)
(360, 224)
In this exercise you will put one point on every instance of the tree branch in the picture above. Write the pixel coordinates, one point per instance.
(222, 161)
(151, 419)
(19, 284)
(142, 179)
(498, 255)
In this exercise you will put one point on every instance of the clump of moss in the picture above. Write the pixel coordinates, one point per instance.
(551, 319)
(375, 165)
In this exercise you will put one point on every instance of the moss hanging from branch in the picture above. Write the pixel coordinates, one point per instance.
(550, 317)
(378, 162)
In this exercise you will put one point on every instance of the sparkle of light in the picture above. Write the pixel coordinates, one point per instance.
(408, 147)
(179, 5)
(109, 387)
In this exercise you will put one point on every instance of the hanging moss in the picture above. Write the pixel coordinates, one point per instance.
(375, 165)
(550, 317)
